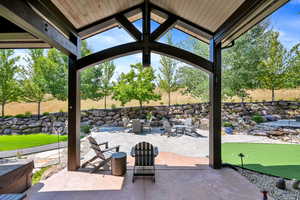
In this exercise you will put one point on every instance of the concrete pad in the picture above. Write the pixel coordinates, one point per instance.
(174, 180)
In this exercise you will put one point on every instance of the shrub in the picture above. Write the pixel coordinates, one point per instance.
(85, 129)
(61, 110)
(113, 106)
(46, 113)
(257, 118)
(20, 116)
(27, 114)
(227, 124)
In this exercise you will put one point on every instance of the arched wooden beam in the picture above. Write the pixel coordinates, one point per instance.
(109, 54)
(135, 47)
(182, 55)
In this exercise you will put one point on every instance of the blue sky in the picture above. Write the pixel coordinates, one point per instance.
(286, 20)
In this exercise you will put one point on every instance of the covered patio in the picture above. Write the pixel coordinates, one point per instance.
(177, 177)
(63, 24)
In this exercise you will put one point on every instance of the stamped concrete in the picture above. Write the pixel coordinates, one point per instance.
(177, 178)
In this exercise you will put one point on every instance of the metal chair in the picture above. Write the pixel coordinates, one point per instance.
(144, 165)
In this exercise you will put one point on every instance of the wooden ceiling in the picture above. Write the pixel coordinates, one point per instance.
(199, 18)
(206, 13)
(84, 12)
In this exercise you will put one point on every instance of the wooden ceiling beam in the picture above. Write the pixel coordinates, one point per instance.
(54, 15)
(163, 28)
(21, 14)
(238, 17)
(106, 23)
(195, 28)
(129, 27)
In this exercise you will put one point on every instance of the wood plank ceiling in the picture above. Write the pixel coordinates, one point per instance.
(206, 13)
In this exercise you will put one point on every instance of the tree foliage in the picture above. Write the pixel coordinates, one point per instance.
(241, 62)
(9, 86)
(96, 82)
(168, 77)
(274, 69)
(34, 86)
(194, 82)
(138, 84)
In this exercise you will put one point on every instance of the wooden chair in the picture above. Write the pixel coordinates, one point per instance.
(144, 165)
(100, 154)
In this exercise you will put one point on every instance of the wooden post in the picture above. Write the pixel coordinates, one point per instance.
(146, 33)
(74, 111)
(215, 106)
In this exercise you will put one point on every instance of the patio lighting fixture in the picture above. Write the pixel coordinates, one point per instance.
(241, 155)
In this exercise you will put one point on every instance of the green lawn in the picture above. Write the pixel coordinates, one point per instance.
(275, 159)
(13, 142)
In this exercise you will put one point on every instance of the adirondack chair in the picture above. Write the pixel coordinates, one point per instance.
(190, 129)
(100, 154)
(144, 165)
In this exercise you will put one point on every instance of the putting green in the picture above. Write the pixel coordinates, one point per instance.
(275, 159)
(13, 142)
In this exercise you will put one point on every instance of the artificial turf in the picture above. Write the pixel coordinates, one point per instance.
(275, 159)
(13, 142)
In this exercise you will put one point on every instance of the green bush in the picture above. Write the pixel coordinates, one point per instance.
(61, 110)
(85, 129)
(257, 118)
(227, 124)
(7, 116)
(46, 113)
(20, 116)
(113, 106)
(27, 114)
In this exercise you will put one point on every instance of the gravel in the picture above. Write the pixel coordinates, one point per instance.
(267, 183)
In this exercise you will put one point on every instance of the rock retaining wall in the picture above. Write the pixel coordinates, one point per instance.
(239, 114)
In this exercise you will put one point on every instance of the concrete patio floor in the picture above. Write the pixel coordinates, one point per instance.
(177, 178)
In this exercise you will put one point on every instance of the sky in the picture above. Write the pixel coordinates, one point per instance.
(286, 21)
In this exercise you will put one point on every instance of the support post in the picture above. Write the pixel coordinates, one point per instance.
(215, 106)
(74, 110)
(146, 33)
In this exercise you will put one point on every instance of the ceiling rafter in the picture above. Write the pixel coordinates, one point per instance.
(20, 13)
(243, 11)
(163, 28)
(129, 27)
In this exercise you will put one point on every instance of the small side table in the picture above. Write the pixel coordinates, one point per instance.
(118, 163)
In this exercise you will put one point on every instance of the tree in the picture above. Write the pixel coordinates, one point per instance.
(55, 72)
(168, 79)
(274, 69)
(137, 84)
(294, 66)
(9, 86)
(194, 81)
(241, 62)
(34, 86)
(107, 85)
(96, 82)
